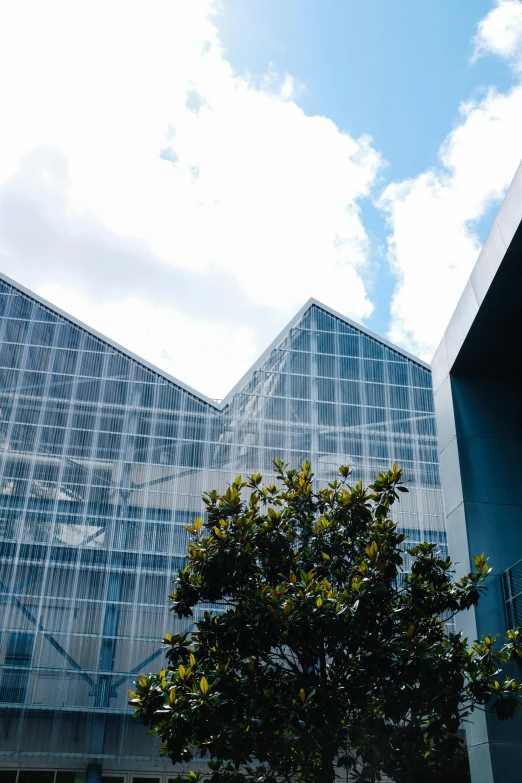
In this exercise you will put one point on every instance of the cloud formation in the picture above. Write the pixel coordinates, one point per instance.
(136, 164)
(432, 218)
(58, 243)
(500, 32)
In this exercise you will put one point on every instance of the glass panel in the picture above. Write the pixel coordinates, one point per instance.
(103, 461)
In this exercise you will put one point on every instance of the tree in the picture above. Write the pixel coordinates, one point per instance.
(317, 651)
(454, 770)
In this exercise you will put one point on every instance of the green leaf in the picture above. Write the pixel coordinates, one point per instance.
(285, 676)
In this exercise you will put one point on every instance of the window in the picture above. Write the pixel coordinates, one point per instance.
(70, 777)
(35, 776)
(14, 681)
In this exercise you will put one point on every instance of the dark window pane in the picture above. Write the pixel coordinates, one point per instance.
(35, 776)
(70, 777)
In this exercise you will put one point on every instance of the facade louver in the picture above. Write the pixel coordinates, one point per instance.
(102, 461)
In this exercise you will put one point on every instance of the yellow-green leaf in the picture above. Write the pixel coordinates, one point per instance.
(197, 524)
(172, 695)
(410, 631)
(192, 659)
(319, 602)
(325, 556)
(142, 679)
(302, 694)
(181, 670)
(203, 684)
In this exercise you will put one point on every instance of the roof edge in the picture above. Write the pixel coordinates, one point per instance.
(247, 375)
(293, 322)
(373, 335)
(76, 321)
(506, 224)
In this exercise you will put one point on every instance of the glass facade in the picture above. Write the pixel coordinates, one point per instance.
(102, 462)
(512, 586)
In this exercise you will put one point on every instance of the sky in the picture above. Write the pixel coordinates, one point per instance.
(182, 175)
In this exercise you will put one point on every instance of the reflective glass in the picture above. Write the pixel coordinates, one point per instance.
(102, 462)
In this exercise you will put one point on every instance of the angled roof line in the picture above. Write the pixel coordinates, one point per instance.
(369, 333)
(295, 320)
(246, 377)
(55, 309)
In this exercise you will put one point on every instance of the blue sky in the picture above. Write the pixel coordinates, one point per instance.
(397, 71)
(199, 168)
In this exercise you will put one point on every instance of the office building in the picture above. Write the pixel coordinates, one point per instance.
(104, 458)
(476, 375)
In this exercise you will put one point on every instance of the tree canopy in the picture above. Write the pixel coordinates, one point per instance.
(316, 651)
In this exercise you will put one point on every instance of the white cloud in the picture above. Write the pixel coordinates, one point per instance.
(433, 245)
(500, 32)
(163, 146)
